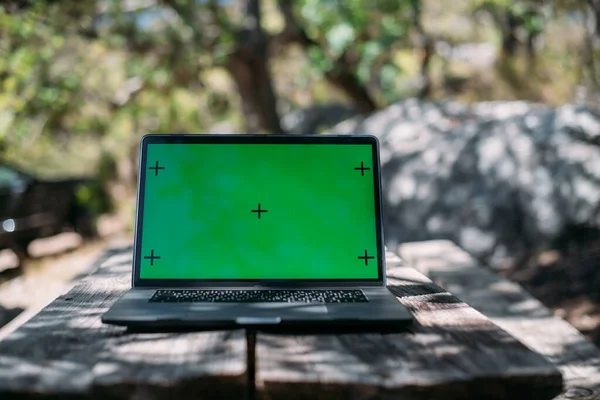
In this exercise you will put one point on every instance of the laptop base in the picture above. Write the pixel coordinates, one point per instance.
(382, 312)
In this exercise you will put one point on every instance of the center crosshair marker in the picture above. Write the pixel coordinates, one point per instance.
(259, 211)
(366, 257)
(152, 257)
(156, 168)
(362, 168)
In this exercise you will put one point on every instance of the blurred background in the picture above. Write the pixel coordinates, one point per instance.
(487, 111)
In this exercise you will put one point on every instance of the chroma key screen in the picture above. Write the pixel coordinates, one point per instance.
(258, 211)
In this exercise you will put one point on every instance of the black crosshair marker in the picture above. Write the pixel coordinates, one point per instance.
(366, 257)
(259, 211)
(156, 168)
(152, 257)
(362, 168)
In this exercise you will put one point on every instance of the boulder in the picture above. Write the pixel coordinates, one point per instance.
(500, 179)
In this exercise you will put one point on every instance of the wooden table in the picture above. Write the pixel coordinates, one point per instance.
(509, 306)
(452, 352)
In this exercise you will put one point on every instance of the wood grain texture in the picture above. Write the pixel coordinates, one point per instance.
(65, 350)
(508, 305)
(453, 352)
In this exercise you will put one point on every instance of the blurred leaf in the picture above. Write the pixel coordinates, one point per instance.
(372, 49)
(363, 72)
(391, 26)
(319, 60)
(534, 24)
(389, 74)
(339, 38)
(311, 11)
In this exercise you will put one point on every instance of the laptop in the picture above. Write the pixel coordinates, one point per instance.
(259, 231)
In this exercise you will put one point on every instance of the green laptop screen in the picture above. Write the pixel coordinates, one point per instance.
(258, 211)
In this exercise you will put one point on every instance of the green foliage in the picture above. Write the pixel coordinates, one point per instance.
(94, 198)
(526, 13)
(42, 76)
(339, 38)
(363, 33)
(80, 79)
(107, 79)
(529, 16)
(318, 58)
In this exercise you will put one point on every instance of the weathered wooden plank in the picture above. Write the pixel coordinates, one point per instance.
(454, 352)
(65, 350)
(514, 310)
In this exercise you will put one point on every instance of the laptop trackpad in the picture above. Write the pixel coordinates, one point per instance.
(284, 310)
(258, 320)
(269, 313)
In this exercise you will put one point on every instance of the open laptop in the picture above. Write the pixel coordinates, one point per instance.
(259, 231)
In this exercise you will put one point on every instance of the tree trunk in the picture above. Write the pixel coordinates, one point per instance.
(509, 35)
(591, 43)
(249, 68)
(425, 44)
(251, 75)
(428, 51)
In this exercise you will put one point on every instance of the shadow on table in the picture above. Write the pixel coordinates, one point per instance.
(66, 348)
(67, 342)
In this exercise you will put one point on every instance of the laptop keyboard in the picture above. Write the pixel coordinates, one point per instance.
(258, 296)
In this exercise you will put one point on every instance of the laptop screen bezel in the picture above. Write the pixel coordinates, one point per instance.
(137, 281)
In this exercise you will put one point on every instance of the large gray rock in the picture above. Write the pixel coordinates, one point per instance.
(500, 179)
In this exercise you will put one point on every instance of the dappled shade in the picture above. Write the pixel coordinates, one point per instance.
(67, 350)
(501, 179)
(451, 351)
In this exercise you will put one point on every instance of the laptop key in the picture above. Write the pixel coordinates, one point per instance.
(258, 296)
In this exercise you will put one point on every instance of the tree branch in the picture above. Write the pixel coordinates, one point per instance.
(219, 18)
(292, 31)
(425, 43)
(595, 10)
(341, 76)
